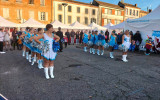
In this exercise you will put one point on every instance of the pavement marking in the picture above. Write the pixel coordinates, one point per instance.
(2, 97)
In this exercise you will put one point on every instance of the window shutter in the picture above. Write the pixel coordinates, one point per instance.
(39, 15)
(17, 13)
(46, 16)
(21, 14)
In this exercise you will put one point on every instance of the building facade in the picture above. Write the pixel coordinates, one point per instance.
(143, 13)
(69, 11)
(109, 13)
(19, 11)
(131, 11)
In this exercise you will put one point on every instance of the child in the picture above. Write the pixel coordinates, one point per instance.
(20, 43)
(95, 41)
(126, 42)
(112, 43)
(101, 41)
(148, 45)
(65, 41)
(132, 47)
(85, 40)
(91, 37)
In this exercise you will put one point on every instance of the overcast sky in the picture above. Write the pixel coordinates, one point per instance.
(143, 4)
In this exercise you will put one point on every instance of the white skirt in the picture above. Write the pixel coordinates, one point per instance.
(50, 55)
(127, 44)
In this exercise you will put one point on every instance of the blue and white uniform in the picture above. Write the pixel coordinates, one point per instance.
(101, 39)
(126, 42)
(95, 39)
(50, 54)
(112, 42)
(85, 39)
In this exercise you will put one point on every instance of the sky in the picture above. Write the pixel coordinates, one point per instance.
(143, 4)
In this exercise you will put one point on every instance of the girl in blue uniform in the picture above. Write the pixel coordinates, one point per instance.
(101, 40)
(91, 37)
(95, 41)
(112, 43)
(85, 40)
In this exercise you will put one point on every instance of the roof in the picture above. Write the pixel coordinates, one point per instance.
(142, 11)
(127, 4)
(108, 4)
(77, 2)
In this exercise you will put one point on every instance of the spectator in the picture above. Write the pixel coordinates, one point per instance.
(107, 36)
(77, 37)
(15, 39)
(7, 39)
(60, 34)
(68, 36)
(65, 41)
(138, 40)
(1, 40)
(81, 35)
(72, 37)
(119, 38)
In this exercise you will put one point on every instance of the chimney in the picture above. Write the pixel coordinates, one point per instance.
(136, 5)
(150, 10)
(147, 9)
(122, 1)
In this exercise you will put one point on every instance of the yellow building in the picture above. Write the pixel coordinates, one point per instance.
(69, 11)
(109, 13)
(19, 11)
(143, 13)
(131, 11)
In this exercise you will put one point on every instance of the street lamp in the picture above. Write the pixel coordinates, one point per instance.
(64, 4)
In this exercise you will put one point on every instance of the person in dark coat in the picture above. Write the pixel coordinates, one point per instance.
(81, 36)
(15, 38)
(138, 40)
(60, 34)
(68, 36)
(107, 35)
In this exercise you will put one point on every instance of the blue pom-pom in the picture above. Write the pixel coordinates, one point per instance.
(56, 46)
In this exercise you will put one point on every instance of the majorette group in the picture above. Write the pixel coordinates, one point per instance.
(41, 47)
(96, 41)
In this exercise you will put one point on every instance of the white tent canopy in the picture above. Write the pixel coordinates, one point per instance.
(57, 24)
(146, 25)
(118, 26)
(32, 23)
(93, 26)
(108, 25)
(77, 25)
(6, 23)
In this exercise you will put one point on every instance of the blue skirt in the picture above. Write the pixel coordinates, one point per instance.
(85, 41)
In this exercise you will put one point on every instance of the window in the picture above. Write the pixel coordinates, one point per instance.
(109, 20)
(119, 13)
(106, 11)
(93, 20)
(93, 12)
(31, 14)
(78, 10)
(18, 0)
(19, 14)
(42, 2)
(134, 12)
(59, 7)
(126, 11)
(31, 1)
(69, 9)
(110, 11)
(86, 20)
(60, 18)
(137, 13)
(43, 16)
(86, 11)
(116, 12)
(130, 11)
(6, 12)
(69, 19)
(5, 0)
(78, 19)
(105, 22)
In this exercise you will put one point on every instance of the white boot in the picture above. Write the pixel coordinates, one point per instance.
(90, 50)
(98, 52)
(41, 64)
(29, 58)
(93, 51)
(124, 59)
(38, 64)
(35, 58)
(27, 55)
(51, 71)
(32, 61)
(85, 49)
(23, 53)
(46, 73)
(111, 55)
(102, 52)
